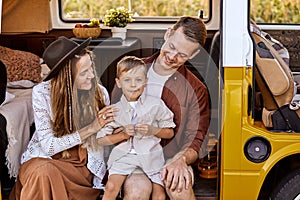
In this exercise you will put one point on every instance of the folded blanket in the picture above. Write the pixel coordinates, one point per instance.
(8, 97)
(18, 113)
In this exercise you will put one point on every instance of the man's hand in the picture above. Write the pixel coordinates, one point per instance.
(176, 175)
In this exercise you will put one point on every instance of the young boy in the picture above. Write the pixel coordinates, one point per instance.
(145, 120)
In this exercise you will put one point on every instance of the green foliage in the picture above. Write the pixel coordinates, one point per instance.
(118, 17)
(81, 9)
(276, 11)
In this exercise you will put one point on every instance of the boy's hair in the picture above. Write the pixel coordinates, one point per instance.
(193, 28)
(129, 62)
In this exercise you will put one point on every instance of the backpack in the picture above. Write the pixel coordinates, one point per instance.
(277, 86)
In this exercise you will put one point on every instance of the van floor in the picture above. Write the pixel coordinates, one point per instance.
(205, 189)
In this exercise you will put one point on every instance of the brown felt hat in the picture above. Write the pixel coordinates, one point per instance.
(59, 51)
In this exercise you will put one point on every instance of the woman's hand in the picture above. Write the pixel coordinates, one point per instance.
(106, 115)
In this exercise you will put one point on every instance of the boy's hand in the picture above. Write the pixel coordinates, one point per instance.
(146, 129)
(129, 129)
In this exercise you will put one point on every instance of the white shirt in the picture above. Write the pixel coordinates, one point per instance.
(155, 82)
(150, 110)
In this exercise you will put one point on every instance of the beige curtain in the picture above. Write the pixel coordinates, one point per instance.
(26, 16)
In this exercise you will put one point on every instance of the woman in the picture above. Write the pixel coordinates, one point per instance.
(63, 160)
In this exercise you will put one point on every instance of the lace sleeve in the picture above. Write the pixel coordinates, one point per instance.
(44, 135)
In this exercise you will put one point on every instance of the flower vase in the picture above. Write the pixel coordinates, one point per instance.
(119, 32)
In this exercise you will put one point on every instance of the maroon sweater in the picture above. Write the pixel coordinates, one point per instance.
(187, 97)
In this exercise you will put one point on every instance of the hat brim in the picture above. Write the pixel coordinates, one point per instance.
(54, 71)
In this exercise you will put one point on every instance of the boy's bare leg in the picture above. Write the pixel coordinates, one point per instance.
(113, 186)
(137, 187)
(158, 192)
(185, 194)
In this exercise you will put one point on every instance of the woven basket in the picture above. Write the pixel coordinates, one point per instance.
(87, 32)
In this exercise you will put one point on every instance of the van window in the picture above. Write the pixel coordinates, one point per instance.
(275, 11)
(143, 10)
(271, 11)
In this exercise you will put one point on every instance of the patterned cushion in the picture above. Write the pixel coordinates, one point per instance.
(21, 65)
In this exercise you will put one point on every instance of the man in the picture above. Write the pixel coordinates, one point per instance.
(187, 97)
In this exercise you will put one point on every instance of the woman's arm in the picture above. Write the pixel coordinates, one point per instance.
(109, 135)
(113, 139)
(108, 112)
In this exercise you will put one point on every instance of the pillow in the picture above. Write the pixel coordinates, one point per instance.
(21, 65)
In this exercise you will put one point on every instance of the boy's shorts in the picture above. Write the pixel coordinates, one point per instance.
(191, 171)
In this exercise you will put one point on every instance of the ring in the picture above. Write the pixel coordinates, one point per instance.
(103, 117)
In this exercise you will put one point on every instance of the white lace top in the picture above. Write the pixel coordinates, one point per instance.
(43, 142)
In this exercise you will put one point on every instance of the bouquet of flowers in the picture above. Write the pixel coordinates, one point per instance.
(118, 17)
